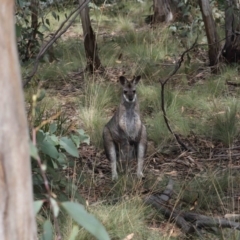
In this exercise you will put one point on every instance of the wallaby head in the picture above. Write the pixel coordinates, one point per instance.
(129, 88)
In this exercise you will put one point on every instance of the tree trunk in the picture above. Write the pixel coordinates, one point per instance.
(211, 32)
(231, 50)
(90, 45)
(34, 26)
(17, 220)
(162, 11)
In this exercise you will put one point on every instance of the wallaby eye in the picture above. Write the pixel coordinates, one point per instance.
(125, 92)
(134, 91)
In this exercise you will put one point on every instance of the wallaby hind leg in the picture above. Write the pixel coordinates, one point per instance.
(141, 150)
(110, 150)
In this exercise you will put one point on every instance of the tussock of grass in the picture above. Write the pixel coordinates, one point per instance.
(124, 24)
(121, 220)
(149, 97)
(97, 98)
(225, 125)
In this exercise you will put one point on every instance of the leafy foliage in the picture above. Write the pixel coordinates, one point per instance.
(88, 221)
(55, 152)
(31, 25)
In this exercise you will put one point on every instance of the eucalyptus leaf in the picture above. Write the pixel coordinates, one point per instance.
(47, 231)
(68, 145)
(37, 206)
(55, 207)
(49, 149)
(86, 220)
(40, 136)
(52, 128)
(33, 151)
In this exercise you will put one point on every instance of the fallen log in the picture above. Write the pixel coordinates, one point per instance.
(188, 222)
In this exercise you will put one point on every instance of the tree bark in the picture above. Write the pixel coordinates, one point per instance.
(211, 32)
(231, 50)
(162, 11)
(17, 219)
(90, 45)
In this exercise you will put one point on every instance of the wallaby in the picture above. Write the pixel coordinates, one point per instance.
(125, 134)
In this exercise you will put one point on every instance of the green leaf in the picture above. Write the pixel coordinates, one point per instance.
(47, 22)
(54, 139)
(76, 140)
(74, 233)
(45, 28)
(55, 207)
(52, 128)
(40, 136)
(37, 206)
(49, 149)
(33, 151)
(54, 15)
(41, 95)
(84, 138)
(54, 164)
(86, 220)
(62, 159)
(67, 144)
(18, 29)
(47, 231)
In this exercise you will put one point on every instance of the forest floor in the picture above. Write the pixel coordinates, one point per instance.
(206, 177)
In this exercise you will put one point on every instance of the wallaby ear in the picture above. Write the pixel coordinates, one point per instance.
(122, 80)
(136, 80)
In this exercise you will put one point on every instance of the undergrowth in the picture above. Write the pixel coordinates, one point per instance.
(205, 108)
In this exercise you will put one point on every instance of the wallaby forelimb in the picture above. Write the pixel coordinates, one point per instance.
(125, 133)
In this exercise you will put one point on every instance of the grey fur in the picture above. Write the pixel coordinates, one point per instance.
(124, 135)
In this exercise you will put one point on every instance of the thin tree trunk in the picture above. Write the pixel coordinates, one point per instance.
(162, 11)
(210, 28)
(90, 45)
(34, 26)
(231, 50)
(17, 219)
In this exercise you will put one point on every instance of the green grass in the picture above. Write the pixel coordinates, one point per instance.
(96, 99)
(120, 220)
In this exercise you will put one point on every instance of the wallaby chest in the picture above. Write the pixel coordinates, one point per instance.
(130, 122)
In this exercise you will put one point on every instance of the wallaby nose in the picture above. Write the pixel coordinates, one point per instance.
(131, 98)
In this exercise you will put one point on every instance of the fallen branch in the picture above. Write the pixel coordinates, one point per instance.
(163, 83)
(53, 39)
(189, 222)
(235, 84)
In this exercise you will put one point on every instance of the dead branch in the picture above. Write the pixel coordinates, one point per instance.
(163, 83)
(235, 84)
(54, 37)
(189, 222)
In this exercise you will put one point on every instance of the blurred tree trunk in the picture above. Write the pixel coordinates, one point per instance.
(162, 11)
(90, 45)
(231, 50)
(34, 4)
(211, 32)
(17, 220)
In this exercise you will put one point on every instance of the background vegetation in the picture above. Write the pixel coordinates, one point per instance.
(201, 107)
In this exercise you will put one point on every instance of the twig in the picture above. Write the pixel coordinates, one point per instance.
(46, 184)
(178, 65)
(53, 39)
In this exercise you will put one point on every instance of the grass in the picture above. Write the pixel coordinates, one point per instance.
(121, 220)
(97, 97)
